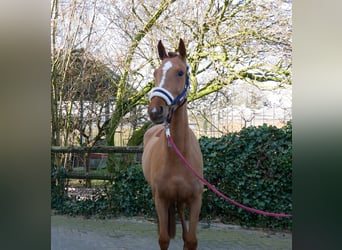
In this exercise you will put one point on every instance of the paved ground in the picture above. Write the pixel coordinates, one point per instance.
(136, 233)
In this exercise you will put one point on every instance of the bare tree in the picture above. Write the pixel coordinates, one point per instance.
(82, 87)
(227, 40)
(78, 79)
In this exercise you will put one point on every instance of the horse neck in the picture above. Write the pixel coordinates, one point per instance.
(179, 127)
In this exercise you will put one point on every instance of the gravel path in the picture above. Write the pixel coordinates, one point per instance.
(73, 233)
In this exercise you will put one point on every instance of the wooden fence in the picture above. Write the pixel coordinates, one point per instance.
(86, 152)
(99, 149)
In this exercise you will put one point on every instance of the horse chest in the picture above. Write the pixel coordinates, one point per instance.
(176, 187)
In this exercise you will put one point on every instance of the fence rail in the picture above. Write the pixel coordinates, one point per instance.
(78, 156)
(88, 176)
(102, 149)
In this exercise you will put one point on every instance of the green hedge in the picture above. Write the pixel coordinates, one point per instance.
(127, 195)
(252, 166)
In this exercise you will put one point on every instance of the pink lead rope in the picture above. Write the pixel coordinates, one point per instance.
(253, 210)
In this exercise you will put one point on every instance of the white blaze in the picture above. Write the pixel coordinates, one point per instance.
(166, 67)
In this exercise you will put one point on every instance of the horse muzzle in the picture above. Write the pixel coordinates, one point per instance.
(158, 111)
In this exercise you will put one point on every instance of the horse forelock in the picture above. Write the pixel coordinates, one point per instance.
(172, 54)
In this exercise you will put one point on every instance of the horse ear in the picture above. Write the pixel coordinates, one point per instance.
(181, 48)
(161, 50)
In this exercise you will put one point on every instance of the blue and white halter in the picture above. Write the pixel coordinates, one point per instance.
(168, 97)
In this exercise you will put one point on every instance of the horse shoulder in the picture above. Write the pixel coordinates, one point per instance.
(151, 138)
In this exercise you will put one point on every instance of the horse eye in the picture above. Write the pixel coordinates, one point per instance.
(180, 73)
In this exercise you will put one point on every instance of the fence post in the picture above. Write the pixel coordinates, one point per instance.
(87, 181)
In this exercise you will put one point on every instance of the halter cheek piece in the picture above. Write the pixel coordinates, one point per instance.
(168, 97)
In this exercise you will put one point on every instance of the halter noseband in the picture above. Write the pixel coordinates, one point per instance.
(168, 97)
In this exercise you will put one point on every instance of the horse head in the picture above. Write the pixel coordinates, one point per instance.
(171, 84)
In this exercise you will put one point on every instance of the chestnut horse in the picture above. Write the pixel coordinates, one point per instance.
(173, 185)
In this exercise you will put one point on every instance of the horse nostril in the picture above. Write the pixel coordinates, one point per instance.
(157, 114)
(161, 110)
(155, 111)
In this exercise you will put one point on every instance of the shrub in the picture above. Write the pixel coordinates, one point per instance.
(58, 188)
(252, 166)
(130, 193)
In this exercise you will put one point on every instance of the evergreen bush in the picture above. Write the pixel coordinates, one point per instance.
(252, 166)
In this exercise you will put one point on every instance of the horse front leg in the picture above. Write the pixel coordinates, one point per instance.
(162, 210)
(181, 207)
(195, 208)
